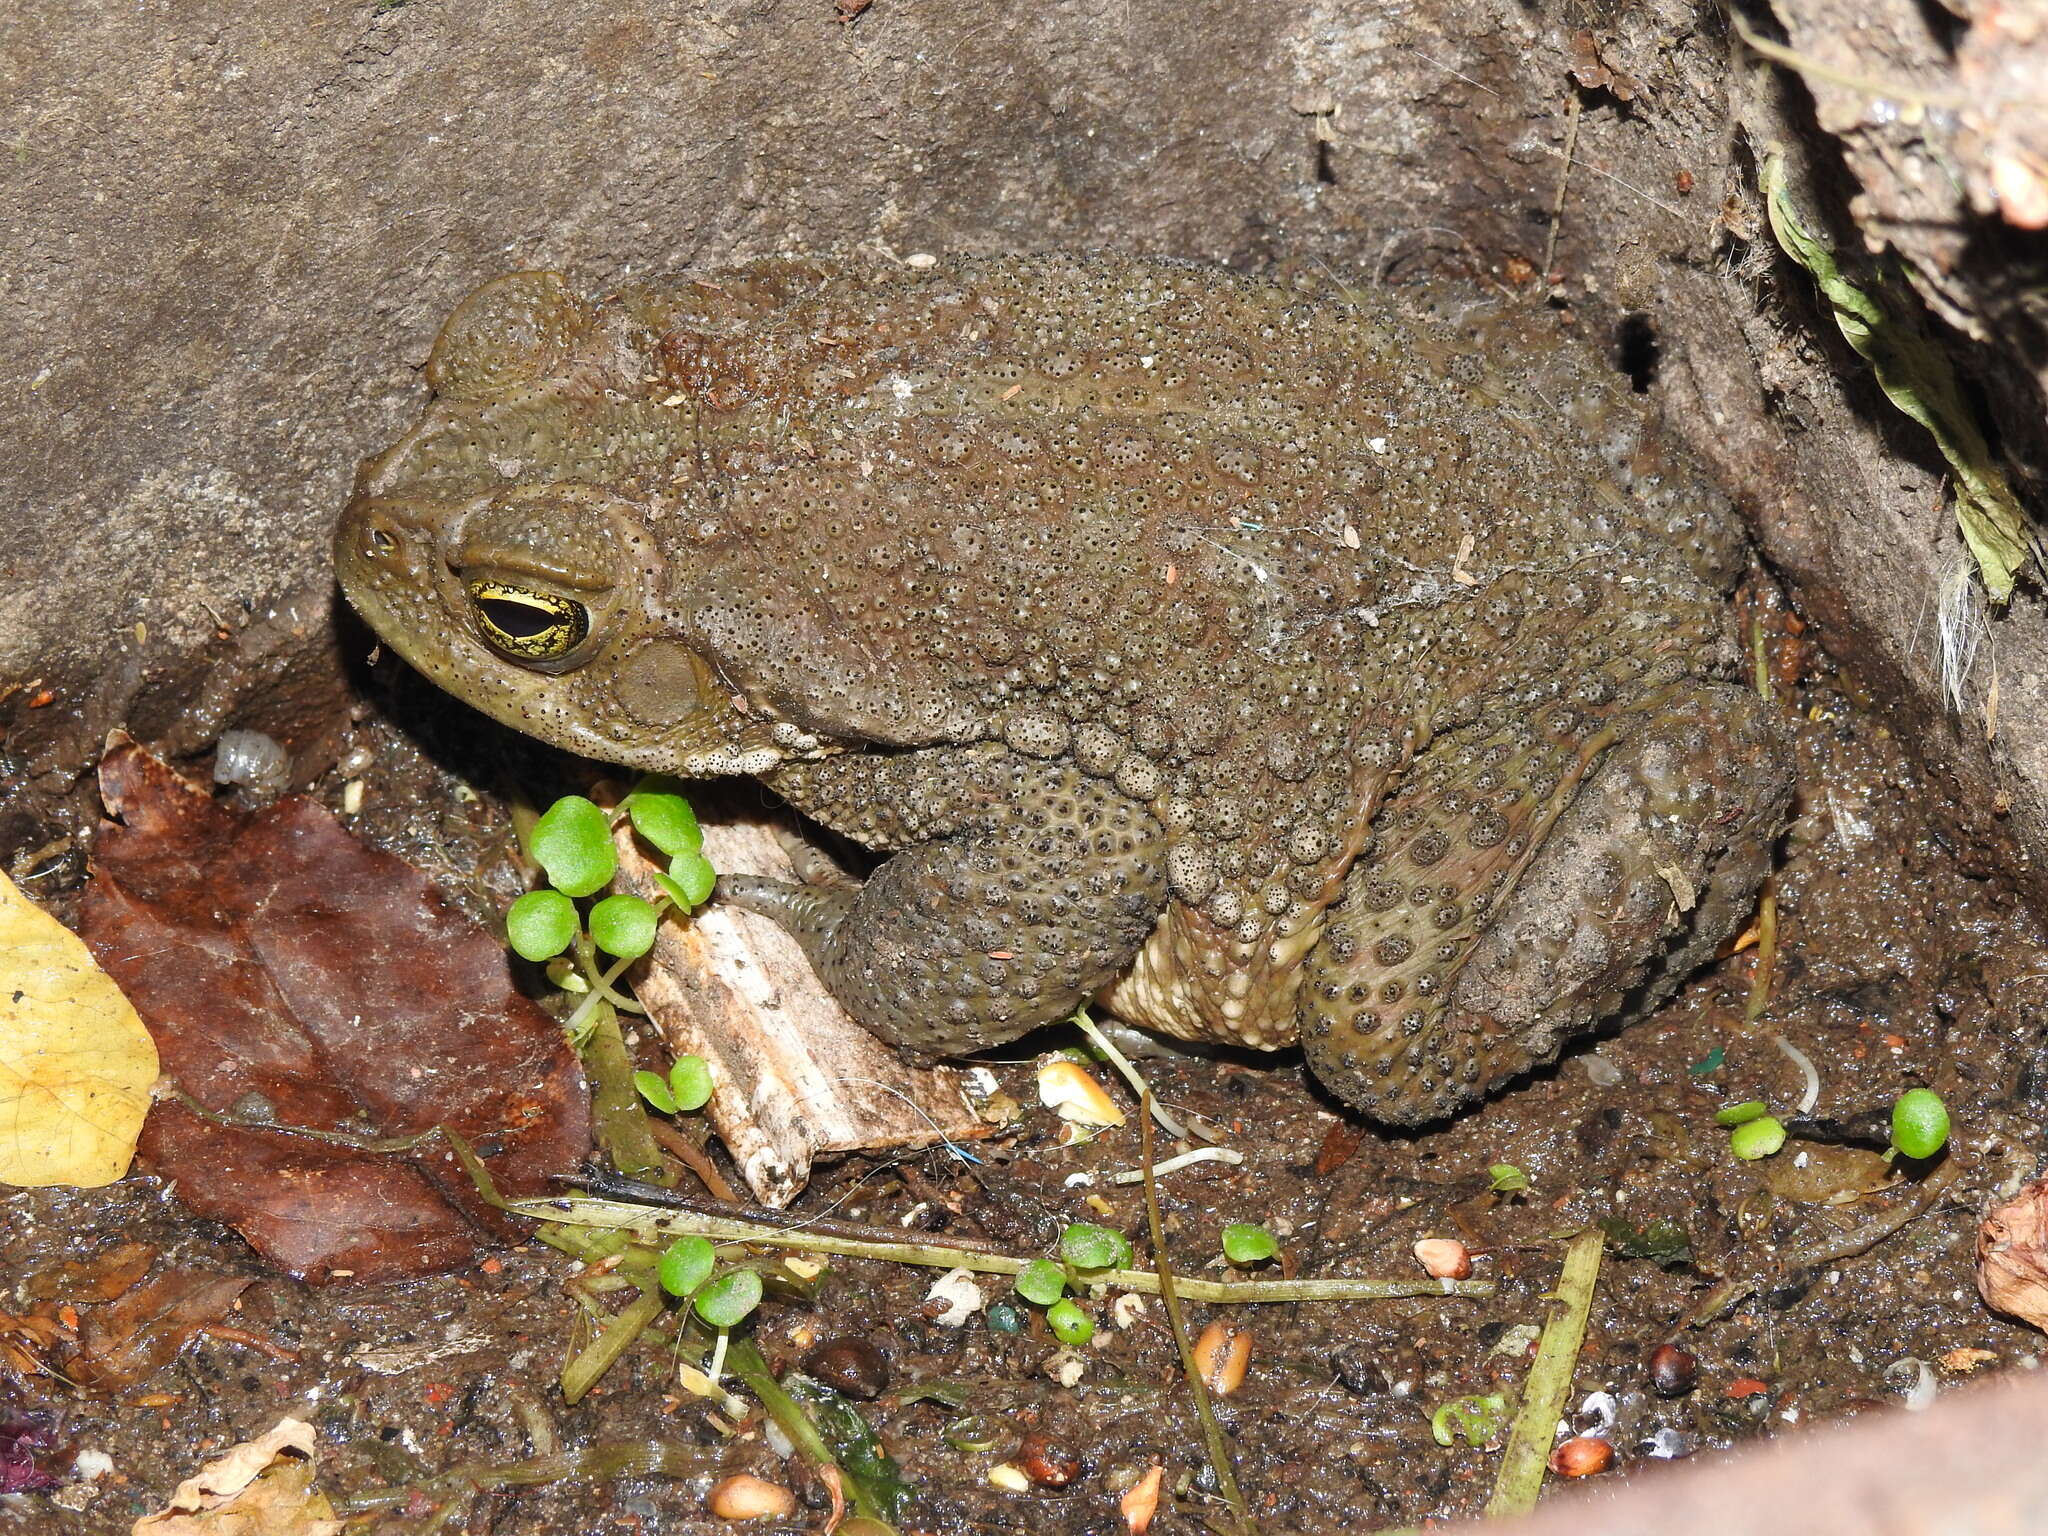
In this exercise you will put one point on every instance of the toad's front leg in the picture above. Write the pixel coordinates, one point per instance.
(1022, 888)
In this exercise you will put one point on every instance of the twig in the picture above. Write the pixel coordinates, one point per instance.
(649, 1220)
(1212, 1432)
(582, 1373)
(1572, 110)
(1550, 1383)
(1764, 966)
(692, 1157)
(1831, 1250)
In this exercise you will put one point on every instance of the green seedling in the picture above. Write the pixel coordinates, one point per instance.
(624, 926)
(1756, 1138)
(686, 1265)
(1245, 1242)
(541, 924)
(686, 1089)
(1069, 1324)
(572, 843)
(1476, 1420)
(1919, 1124)
(1088, 1246)
(1506, 1179)
(730, 1299)
(1041, 1282)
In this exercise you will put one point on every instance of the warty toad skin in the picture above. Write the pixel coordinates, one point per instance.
(1268, 664)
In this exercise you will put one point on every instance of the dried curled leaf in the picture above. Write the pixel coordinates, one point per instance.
(2012, 1256)
(253, 1490)
(76, 1064)
(1913, 371)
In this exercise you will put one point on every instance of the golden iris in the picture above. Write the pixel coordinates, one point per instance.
(523, 624)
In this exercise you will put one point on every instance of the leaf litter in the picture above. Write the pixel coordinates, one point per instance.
(297, 981)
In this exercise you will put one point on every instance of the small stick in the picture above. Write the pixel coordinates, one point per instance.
(1572, 109)
(647, 1221)
(692, 1157)
(1766, 961)
(1550, 1382)
(1212, 1432)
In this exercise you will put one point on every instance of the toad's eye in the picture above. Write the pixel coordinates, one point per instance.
(522, 624)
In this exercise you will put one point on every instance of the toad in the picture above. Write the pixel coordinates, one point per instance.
(1267, 665)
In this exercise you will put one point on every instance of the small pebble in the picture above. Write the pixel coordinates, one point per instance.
(1673, 1371)
(1583, 1456)
(746, 1497)
(1357, 1371)
(850, 1365)
(1444, 1258)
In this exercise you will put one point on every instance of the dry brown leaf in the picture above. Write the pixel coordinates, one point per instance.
(2012, 1267)
(292, 974)
(253, 1490)
(76, 1065)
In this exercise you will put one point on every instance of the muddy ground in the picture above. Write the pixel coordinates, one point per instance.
(1900, 962)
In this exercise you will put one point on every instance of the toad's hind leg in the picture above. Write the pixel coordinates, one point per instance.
(1022, 888)
(1523, 888)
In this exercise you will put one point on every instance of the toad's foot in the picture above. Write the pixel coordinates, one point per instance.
(1024, 887)
(1588, 897)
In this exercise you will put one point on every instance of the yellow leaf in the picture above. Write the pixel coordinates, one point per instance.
(76, 1065)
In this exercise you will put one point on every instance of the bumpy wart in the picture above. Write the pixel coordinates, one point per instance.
(1265, 664)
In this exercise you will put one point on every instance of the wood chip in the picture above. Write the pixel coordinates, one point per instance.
(795, 1078)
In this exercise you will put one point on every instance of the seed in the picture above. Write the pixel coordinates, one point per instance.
(1048, 1462)
(1009, 1476)
(745, 1497)
(1582, 1457)
(1142, 1502)
(1065, 1086)
(850, 1365)
(1223, 1354)
(1444, 1258)
(1673, 1371)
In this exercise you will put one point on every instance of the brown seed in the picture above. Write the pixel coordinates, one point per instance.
(850, 1365)
(1046, 1461)
(1223, 1354)
(1673, 1371)
(1444, 1258)
(746, 1497)
(1584, 1457)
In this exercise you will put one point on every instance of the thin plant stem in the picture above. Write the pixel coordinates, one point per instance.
(1527, 1455)
(1213, 1439)
(652, 1223)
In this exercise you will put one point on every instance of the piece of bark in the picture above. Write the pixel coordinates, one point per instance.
(794, 1076)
